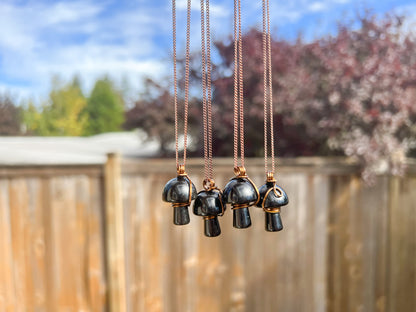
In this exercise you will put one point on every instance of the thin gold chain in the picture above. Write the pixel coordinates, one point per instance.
(240, 63)
(235, 87)
(209, 90)
(204, 91)
(268, 89)
(206, 88)
(238, 86)
(187, 59)
(175, 81)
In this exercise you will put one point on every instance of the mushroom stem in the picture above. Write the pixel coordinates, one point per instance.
(180, 215)
(273, 222)
(211, 226)
(241, 217)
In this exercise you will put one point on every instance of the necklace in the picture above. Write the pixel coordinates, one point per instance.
(209, 202)
(240, 191)
(180, 191)
(272, 196)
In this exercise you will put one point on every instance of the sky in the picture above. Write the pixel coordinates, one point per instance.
(130, 40)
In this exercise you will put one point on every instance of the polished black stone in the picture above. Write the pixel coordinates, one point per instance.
(241, 218)
(181, 215)
(272, 200)
(273, 222)
(177, 190)
(239, 191)
(208, 203)
(212, 227)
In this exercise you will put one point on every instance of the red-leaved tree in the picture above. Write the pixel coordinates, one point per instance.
(353, 93)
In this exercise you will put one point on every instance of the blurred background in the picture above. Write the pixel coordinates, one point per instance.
(87, 144)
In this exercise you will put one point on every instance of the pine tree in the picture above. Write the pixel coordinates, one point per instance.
(105, 108)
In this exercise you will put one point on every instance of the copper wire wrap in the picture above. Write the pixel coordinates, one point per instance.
(175, 81)
(209, 185)
(239, 206)
(181, 169)
(272, 210)
(278, 192)
(209, 217)
(175, 205)
(270, 177)
(240, 172)
(268, 90)
(238, 86)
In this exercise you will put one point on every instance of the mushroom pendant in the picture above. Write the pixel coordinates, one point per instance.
(241, 193)
(209, 205)
(272, 197)
(180, 191)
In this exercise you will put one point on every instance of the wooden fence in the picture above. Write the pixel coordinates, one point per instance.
(99, 238)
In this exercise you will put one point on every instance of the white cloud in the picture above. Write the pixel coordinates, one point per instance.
(38, 40)
(216, 9)
(317, 6)
(293, 10)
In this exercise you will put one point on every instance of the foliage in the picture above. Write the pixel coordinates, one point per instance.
(61, 115)
(154, 113)
(357, 91)
(350, 94)
(104, 109)
(9, 116)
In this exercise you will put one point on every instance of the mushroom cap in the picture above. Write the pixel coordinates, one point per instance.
(272, 201)
(208, 203)
(177, 190)
(239, 191)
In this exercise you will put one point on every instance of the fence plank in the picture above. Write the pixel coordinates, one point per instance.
(7, 284)
(96, 277)
(115, 234)
(35, 262)
(402, 246)
(19, 232)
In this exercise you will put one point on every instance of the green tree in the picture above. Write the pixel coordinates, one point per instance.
(61, 115)
(105, 108)
(32, 119)
(9, 116)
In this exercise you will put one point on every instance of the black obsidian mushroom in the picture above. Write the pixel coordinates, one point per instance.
(209, 205)
(241, 193)
(272, 197)
(179, 191)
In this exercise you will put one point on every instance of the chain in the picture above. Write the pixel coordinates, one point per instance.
(210, 138)
(175, 81)
(238, 86)
(206, 89)
(268, 89)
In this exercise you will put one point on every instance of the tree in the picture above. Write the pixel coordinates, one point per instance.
(350, 94)
(61, 114)
(9, 117)
(357, 91)
(104, 109)
(154, 113)
(33, 121)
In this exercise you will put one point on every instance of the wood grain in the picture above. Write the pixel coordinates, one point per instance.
(99, 238)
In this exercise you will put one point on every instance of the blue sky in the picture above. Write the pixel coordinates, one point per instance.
(130, 39)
